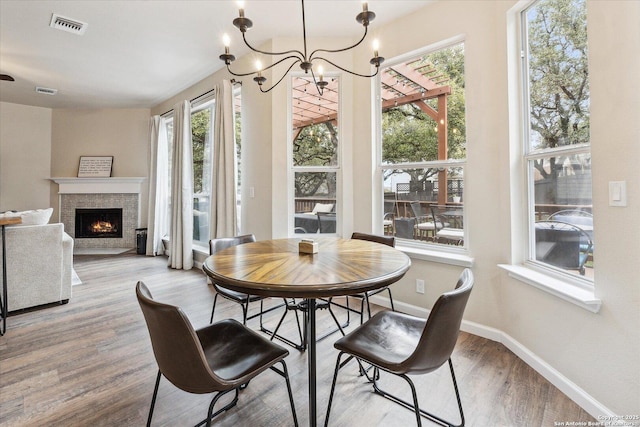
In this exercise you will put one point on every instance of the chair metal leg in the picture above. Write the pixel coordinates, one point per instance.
(153, 399)
(391, 299)
(213, 310)
(274, 333)
(366, 298)
(335, 319)
(333, 387)
(211, 415)
(301, 306)
(245, 310)
(414, 407)
(285, 373)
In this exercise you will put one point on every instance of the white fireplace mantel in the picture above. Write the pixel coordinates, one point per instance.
(99, 185)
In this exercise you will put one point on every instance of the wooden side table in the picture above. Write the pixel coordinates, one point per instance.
(4, 303)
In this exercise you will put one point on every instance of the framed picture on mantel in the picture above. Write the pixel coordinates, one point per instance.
(95, 166)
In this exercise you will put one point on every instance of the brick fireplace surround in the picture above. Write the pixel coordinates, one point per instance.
(86, 193)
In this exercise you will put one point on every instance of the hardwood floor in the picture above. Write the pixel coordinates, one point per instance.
(90, 363)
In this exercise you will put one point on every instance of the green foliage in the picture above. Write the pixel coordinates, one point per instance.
(200, 125)
(410, 135)
(316, 145)
(558, 77)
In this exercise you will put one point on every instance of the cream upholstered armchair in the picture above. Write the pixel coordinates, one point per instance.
(39, 265)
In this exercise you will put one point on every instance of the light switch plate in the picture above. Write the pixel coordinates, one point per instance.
(617, 193)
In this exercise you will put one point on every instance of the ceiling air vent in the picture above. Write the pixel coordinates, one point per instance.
(46, 90)
(68, 24)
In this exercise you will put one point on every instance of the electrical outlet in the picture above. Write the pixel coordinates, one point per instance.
(420, 286)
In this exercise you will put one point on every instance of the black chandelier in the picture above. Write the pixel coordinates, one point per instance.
(306, 61)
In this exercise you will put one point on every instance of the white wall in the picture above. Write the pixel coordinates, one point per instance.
(25, 157)
(600, 352)
(121, 133)
(594, 355)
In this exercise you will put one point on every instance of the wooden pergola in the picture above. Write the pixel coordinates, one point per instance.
(413, 82)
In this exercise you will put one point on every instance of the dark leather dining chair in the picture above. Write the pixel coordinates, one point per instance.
(364, 297)
(218, 358)
(404, 345)
(216, 245)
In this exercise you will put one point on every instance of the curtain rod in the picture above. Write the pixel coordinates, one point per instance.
(233, 82)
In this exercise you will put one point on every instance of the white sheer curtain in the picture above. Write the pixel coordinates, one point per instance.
(181, 254)
(224, 175)
(158, 186)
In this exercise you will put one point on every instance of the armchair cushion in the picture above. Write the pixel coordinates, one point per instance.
(31, 217)
(322, 208)
(39, 265)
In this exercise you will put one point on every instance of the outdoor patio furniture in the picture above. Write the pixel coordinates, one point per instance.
(389, 216)
(445, 233)
(426, 226)
(562, 245)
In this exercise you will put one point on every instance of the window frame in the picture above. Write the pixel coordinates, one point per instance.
(431, 251)
(529, 154)
(564, 286)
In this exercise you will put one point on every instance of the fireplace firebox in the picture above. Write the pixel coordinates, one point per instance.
(99, 223)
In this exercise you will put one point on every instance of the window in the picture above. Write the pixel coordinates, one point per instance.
(557, 144)
(315, 155)
(202, 145)
(424, 147)
(202, 123)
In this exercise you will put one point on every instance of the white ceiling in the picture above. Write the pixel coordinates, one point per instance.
(137, 53)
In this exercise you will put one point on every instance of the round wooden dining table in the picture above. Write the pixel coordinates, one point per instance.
(275, 268)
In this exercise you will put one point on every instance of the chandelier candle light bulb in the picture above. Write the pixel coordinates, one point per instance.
(241, 9)
(226, 40)
(321, 84)
(259, 79)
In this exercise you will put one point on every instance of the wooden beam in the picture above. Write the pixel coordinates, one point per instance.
(443, 124)
(300, 124)
(408, 99)
(415, 76)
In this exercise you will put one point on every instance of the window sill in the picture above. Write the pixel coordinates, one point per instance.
(571, 292)
(441, 256)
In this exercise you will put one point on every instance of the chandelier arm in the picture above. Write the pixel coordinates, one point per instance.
(347, 71)
(297, 60)
(281, 78)
(311, 58)
(270, 53)
(265, 69)
(315, 83)
(239, 74)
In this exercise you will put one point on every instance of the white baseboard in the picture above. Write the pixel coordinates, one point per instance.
(568, 387)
